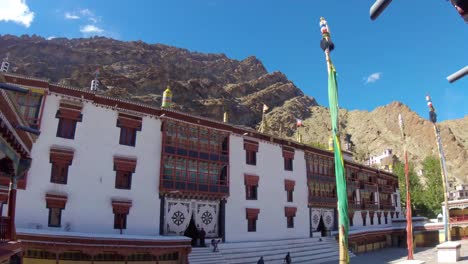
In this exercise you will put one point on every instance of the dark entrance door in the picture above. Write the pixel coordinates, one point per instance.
(192, 231)
(321, 227)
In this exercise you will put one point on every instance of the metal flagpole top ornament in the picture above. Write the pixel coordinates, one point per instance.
(325, 43)
(432, 113)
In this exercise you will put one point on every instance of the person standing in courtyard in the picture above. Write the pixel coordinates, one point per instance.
(202, 237)
(260, 261)
(287, 259)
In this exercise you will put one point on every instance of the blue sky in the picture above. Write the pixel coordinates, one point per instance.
(407, 52)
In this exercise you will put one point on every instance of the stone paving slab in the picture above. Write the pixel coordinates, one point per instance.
(395, 255)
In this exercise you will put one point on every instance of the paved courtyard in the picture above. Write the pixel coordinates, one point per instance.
(394, 255)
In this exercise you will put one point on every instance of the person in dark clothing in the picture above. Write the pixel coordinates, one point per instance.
(287, 259)
(214, 243)
(260, 261)
(202, 236)
(196, 235)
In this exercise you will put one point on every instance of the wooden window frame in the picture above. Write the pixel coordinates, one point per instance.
(288, 156)
(251, 186)
(251, 192)
(290, 196)
(289, 187)
(68, 114)
(120, 221)
(60, 162)
(127, 136)
(290, 221)
(129, 125)
(252, 225)
(59, 173)
(124, 167)
(251, 149)
(252, 217)
(55, 202)
(120, 210)
(290, 213)
(59, 217)
(122, 184)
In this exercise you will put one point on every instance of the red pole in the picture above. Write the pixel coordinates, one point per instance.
(12, 207)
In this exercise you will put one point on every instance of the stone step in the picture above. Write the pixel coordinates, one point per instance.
(279, 256)
(268, 242)
(302, 250)
(275, 251)
(279, 247)
(206, 256)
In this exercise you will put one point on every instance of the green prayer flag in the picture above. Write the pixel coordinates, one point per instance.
(343, 221)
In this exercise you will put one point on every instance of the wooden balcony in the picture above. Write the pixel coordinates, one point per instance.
(323, 178)
(368, 186)
(386, 206)
(5, 230)
(318, 201)
(386, 189)
(354, 205)
(352, 184)
(370, 206)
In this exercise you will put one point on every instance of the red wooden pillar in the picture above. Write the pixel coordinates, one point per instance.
(12, 207)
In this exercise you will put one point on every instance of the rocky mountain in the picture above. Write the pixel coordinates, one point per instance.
(373, 132)
(202, 84)
(208, 84)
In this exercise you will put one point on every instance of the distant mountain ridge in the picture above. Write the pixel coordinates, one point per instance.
(209, 84)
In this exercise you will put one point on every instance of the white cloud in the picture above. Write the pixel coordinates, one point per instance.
(373, 77)
(90, 29)
(86, 12)
(51, 37)
(16, 11)
(71, 16)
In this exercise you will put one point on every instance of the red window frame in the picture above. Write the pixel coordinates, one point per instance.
(129, 125)
(55, 203)
(290, 213)
(60, 162)
(68, 114)
(252, 216)
(124, 169)
(59, 173)
(120, 221)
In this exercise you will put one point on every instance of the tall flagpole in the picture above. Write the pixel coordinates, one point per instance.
(342, 205)
(409, 215)
(443, 167)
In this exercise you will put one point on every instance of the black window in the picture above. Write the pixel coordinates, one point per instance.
(120, 221)
(251, 192)
(127, 136)
(59, 173)
(55, 217)
(288, 164)
(123, 180)
(252, 225)
(251, 157)
(290, 220)
(290, 195)
(66, 128)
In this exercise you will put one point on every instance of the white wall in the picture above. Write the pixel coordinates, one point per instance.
(91, 177)
(271, 223)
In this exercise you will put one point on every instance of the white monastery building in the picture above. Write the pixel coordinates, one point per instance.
(104, 168)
